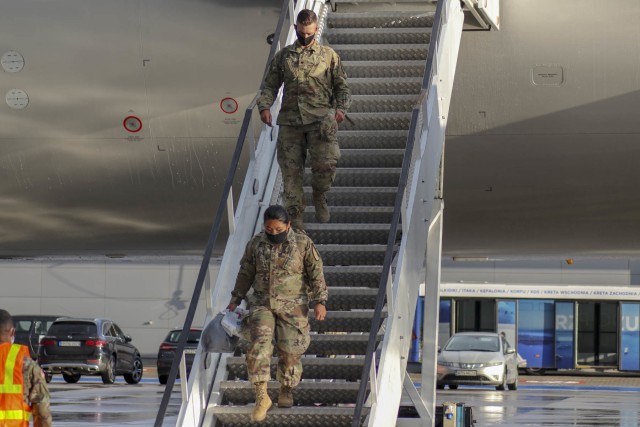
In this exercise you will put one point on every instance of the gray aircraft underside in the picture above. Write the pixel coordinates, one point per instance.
(541, 159)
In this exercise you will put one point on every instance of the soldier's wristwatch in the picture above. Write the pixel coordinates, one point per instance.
(321, 302)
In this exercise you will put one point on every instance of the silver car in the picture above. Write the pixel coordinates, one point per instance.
(473, 358)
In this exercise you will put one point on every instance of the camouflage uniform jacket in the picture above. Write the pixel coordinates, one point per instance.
(280, 275)
(36, 393)
(314, 82)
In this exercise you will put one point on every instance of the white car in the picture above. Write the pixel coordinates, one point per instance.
(478, 358)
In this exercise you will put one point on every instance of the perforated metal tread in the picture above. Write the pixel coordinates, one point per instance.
(338, 368)
(408, 35)
(352, 254)
(355, 276)
(330, 344)
(307, 393)
(385, 86)
(353, 214)
(298, 416)
(348, 234)
(382, 103)
(344, 321)
(354, 196)
(386, 52)
(361, 177)
(364, 139)
(380, 19)
(351, 298)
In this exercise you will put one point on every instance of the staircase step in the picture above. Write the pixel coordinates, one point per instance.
(354, 276)
(339, 368)
(381, 52)
(410, 35)
(352, 214)
(391, 139)
(351, 298)
(353, 196)
(380, 20)
(344, 321)
(352, 254)
(361, 177)
(330, 344)
(383, 103)
(298, 416)
(373, 158)
(307, 393)
(348, 234)
(385, 86)
(355, 69)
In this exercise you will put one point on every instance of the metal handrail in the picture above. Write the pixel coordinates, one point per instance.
(215, 230)
(395, 221)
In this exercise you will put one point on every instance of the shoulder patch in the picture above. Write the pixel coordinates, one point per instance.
(315, 253)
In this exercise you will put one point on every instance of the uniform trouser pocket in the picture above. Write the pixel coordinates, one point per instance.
(292, 330)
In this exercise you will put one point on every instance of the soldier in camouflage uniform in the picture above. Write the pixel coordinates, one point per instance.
(316, 98)
(284, 269)
(23, 395)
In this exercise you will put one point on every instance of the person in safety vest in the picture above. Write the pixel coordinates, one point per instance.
(23, 389)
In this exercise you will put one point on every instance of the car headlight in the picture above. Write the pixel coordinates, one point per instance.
(486, 365)
(448, 364)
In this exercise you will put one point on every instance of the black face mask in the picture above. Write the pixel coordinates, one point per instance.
(304, 41)
(276, 239)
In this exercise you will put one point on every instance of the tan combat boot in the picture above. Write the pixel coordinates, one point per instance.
(263, 403)
(285, 398)
(322, 210)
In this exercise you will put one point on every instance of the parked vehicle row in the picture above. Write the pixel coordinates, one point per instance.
(98, 347)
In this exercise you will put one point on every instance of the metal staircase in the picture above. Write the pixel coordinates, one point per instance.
(384, 51)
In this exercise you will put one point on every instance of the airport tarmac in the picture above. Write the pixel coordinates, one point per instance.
(549, 400)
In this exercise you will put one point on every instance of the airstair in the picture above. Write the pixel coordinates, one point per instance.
(384, 237)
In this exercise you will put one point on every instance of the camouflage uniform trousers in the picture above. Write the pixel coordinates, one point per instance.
(321, 140)
(291, 327)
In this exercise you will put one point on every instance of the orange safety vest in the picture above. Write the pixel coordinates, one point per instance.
(14, 412)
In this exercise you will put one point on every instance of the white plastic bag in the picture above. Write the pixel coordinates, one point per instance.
(232, 321)
(215, 339)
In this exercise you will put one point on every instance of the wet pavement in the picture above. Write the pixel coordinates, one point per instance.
(558, 400)
(89, 402)
(597, 400)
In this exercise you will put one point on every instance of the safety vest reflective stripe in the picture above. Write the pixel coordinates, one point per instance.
(10, 388)
(14, 415)
(10, 366)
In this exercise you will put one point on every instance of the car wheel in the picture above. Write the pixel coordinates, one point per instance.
(503, 386)
(109, 375)
(514, 385)
(136, 372)
(535, 371)
(438, 386)
(48, 377)
(71, 378)
(164, 378)
(453, 386)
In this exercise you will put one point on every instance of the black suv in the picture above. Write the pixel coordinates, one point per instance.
(167, 352)
(30, 329)
(76, 347)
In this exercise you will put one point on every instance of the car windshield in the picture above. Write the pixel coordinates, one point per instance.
(473, 343)
(73, 328)
(193, 338)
